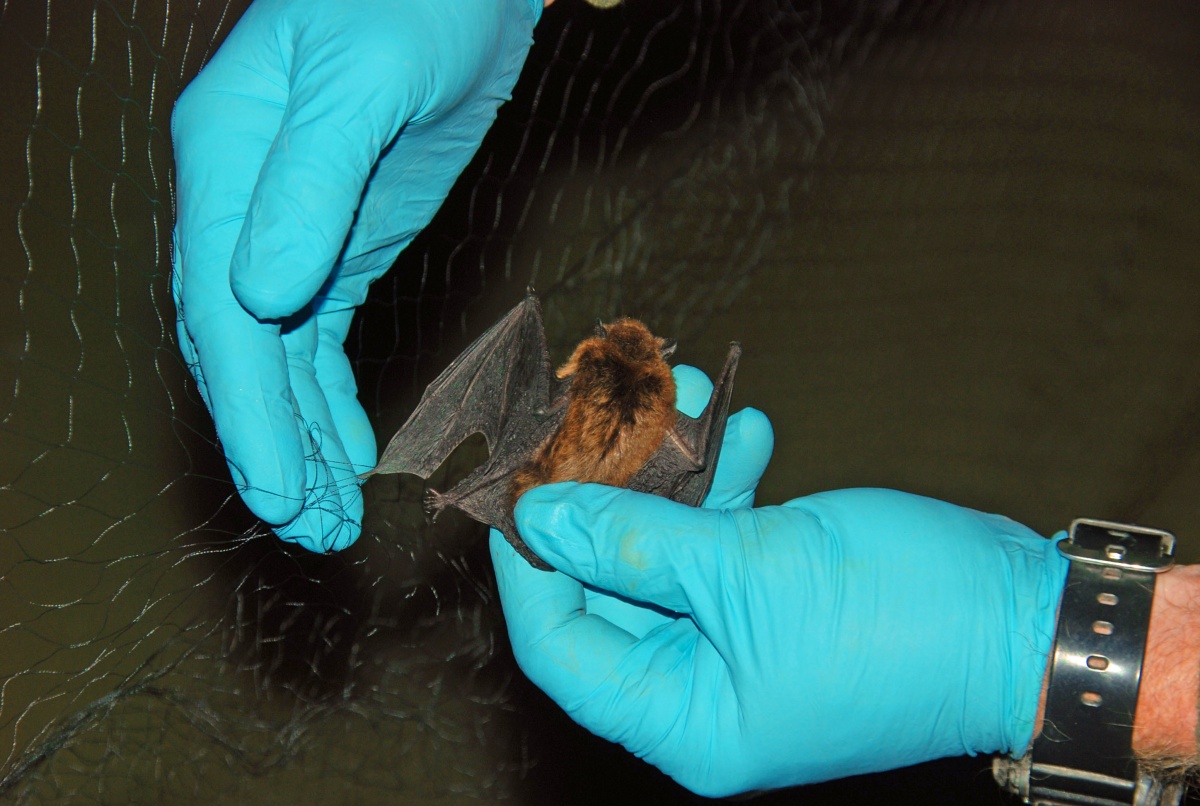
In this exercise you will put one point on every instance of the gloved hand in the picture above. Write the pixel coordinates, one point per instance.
(314, 146)
(841, 633)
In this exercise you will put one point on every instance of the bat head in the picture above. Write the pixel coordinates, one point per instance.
(626, 341)
(632, 335)
(633, 341)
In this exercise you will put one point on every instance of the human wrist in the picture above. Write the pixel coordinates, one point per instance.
(1165, 721)
(1165, 724)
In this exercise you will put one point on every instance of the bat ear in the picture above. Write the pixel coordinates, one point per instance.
(601, 330)
(667, 348)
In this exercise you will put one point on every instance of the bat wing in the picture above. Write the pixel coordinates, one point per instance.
(487, 494)
(503, 376)
(684, 472)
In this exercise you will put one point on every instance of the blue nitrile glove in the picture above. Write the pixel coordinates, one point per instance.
(842, 633)
(314, 146)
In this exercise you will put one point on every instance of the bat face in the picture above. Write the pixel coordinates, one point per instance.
(608, 415)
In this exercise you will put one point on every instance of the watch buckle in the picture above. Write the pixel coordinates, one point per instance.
(1119, 545)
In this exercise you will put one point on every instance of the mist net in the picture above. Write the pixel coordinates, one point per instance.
(157, 643)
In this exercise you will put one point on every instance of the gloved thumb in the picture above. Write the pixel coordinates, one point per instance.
(638, 545)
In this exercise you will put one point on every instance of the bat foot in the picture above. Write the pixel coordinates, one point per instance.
(434, 503)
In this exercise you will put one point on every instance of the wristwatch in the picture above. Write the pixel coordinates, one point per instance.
(1084, 754)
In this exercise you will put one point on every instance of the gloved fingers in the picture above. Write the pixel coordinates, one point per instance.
(222, 129)
(333, 507)
(331, 517)
(242, 366)
(624, 689)
(221, 132)
(345, 106)
(336, 380)
(641, 546)
(692, 389)
(749, 441)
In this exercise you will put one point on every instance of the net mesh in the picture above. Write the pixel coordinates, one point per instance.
(156, 644)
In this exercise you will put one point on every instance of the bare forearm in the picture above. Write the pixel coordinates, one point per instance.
(1165, 725)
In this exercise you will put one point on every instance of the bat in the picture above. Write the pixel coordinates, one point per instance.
(607, 415)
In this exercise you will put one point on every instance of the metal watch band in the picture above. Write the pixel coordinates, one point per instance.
(1084, 754)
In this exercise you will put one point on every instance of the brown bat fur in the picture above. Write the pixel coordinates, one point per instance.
(621, 407)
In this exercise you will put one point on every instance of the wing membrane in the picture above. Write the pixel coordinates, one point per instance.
(505, 373)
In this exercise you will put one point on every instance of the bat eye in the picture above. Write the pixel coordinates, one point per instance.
(668, 347)
(601, 330)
